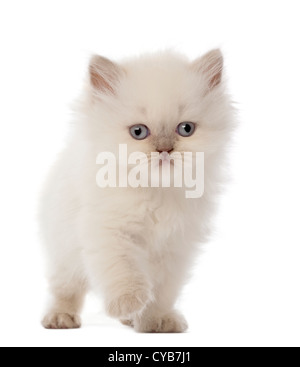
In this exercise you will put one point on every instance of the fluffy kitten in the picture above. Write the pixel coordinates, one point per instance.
(134, 246)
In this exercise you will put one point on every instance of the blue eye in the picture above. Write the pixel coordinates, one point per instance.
(186, 129)
(139, 132)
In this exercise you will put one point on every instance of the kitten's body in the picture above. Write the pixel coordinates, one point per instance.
(135, 246)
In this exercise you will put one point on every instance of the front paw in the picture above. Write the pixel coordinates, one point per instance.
(127, 304)
(55, 320)
(173, 322)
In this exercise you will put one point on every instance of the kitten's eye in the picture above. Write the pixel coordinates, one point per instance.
(186, 129)
(139, 132)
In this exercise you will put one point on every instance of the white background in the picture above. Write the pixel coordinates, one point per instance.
(245, 290)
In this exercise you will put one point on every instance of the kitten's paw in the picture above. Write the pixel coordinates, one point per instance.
(172, 322)
(128, 304)
(61, 321)
(127, 322)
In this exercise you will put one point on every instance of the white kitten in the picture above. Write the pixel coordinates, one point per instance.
(134, 245)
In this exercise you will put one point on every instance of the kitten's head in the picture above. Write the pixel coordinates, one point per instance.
(159, 102)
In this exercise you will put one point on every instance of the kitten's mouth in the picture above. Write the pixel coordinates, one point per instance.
(164, 159)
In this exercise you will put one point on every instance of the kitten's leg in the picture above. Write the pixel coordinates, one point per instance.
(66, 306)
(116, 268)
(160, 316)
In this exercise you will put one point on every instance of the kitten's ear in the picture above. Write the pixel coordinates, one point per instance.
(104, 74)
(211, 66)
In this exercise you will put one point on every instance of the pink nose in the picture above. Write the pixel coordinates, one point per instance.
(167, 150)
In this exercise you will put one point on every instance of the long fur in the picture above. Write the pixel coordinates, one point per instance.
(133, 246)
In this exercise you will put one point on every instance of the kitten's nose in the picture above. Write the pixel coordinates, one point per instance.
(167, 150)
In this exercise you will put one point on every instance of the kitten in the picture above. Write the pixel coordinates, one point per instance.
(135, 246)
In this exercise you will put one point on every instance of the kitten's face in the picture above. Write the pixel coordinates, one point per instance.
(160, 103)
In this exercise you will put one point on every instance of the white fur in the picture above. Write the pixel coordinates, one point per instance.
(134, 246)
